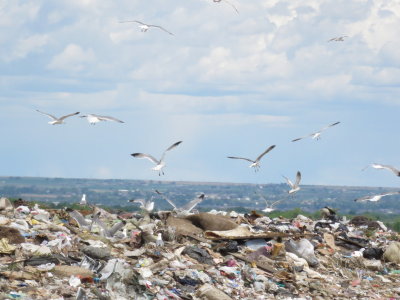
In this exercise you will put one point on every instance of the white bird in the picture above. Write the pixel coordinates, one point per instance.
(57, 120)
(316, 135)
(294, 187)
(93, 119)
(187, 208)
(159, 241)
(338, 39)
(226, 1)
(270, 206)
(144, 27)
(387, 167)
(374, 198)
(83, 200)
(80, 219)
(255, 163)
(145, 205)
(160, 164)
(109, 231)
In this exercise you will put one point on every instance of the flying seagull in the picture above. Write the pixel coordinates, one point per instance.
(145, 205)
(270, 206)
(57, 120)
(93, 119)
(374, 198)
(160, 164)
(187, 208)
(80, 219)
(379, 166)
(255, 163)
(338, 39)
(109, 231)
(294, 187)
(316, 135)
(226, 1)
(144, 27)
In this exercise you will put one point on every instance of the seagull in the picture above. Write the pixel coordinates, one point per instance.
(80, 219)
(233, 6)
(374, 198)
(160, 164)
(93, 119)
(144, 27)
(316, 135)
(187, 208)
(255, 163)
(270, 207)
(379, 166)
(83, 200)
(338, 39)
(57, 120)
(294, 187)
(145, 205)
(110, 231)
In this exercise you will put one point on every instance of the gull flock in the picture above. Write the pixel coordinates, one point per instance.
(160, 164)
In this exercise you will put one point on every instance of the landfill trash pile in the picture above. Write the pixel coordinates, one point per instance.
(72, 254)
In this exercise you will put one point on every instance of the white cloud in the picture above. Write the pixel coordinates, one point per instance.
(28, 45)
(72, 58)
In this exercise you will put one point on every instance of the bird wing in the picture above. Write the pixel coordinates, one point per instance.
(393, 169)
(102, 225)
(49, 115)
(265, 152)
(326, 127)
(77, 216)
(363, 199)
(170, 148)
(192, 204)
(390, 193)
(109, 118)
(134, 21)
(144, 155)
(115, 228)
(298, 178)
(162, 28)
(273, 203)
(141, 201)
(233, 6)
(288, 181)
(170, 202)
(300, 138)
(235, 157)
(70, 115)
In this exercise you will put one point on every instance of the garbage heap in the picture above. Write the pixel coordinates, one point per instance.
(95, 254)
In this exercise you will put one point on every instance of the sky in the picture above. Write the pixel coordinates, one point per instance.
(226, 84)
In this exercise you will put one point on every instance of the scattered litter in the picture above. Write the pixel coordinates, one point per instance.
(93, 254)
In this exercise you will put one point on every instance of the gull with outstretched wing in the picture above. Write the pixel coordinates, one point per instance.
(270, 206)
(187, 208)
(93, 119)
(387, 167)
(145, 27)
(316, 135)
(145, 205)
(254, 163)
(294, 187)
(56, 120)
(338, 38)
(375, 198)
(160, 164)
